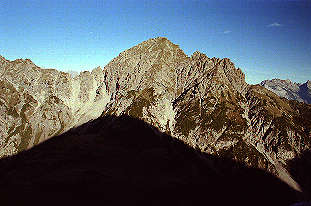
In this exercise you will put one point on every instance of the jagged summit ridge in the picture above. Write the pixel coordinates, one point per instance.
(202, 101)
(290, 90)
(155, 69)
(37, 104)
(149, 64)
(144, 81)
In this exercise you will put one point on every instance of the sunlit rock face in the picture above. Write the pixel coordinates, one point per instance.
(205, 102)
(290, 90)
(37, 104)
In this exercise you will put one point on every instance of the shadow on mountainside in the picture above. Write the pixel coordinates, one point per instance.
(124, 161)
(304, 93)
(300, 169)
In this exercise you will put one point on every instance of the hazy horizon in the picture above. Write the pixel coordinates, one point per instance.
(266, 39)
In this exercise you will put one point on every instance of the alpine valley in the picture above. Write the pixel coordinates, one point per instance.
(190, 128)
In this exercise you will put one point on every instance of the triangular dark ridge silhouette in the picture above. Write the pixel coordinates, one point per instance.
(125, 161)
(300, 169)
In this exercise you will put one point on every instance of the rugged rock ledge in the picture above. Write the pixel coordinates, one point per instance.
(36, 104)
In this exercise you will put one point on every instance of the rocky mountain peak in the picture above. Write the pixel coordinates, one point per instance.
(198, 56)
(290, 90)
(288, 81)
(162, 42)
(223, 69)
(25, 61)
(235, 76)
(97, 70)
(2, 59)
(160, 46)
(227, 61)
(150, 64)
(37, 103)
(205, 102)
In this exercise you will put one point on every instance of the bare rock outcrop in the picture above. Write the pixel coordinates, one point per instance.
(37, 104)
(290, 90)
(205, 102)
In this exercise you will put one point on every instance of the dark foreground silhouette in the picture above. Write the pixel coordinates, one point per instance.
(300, 169)
(124, 161)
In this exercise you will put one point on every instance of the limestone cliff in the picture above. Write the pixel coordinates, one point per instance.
(37, 104)
(205, 102)
(290, 90)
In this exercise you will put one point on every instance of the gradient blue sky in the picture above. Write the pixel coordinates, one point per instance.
(265, 38)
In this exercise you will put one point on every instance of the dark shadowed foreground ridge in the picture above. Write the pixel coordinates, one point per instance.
(122, 160)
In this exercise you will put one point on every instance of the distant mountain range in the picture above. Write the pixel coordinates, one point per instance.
(203, 102)
(290, 90)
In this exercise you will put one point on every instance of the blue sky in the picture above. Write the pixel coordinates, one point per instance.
(265, 38)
